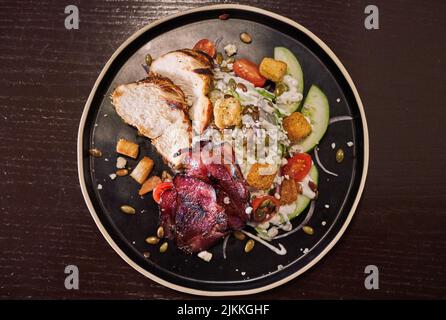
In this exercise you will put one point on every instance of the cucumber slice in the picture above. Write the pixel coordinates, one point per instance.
(293, 69)
(302, 202)
(317, 109)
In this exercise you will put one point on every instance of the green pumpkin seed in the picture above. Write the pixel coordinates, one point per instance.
(339, 155)
(249, 245)
(128, 209)
(245, 37)
(95, 153)
(308, 230)
(280, 88)
(232, 84)
(163, 247)
(152, 240)
(160, 232)
(148, 59)
(219, 58)
(239, 235)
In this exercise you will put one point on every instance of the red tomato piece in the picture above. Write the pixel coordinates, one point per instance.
(249, 71)
(159, 189)
(298, 166)
(206, 46)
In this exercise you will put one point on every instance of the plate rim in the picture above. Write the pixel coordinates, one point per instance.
(184, 289)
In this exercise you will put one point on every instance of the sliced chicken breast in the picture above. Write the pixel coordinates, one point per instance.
(158, 109)
(191, 70)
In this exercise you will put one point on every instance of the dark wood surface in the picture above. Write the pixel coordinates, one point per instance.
(47, 73)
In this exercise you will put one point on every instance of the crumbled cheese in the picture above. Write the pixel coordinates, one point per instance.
(324, 223)
(327, 206)
(205, 255)
(226, 200)
(333, 145)
(264, 225)
(99, 186)
(277, 196)
(350, 144)
(106, 159)
(105, 115)
(230, 49)
(287, 226)
(243, 273)
(120, 162)
(279, 267)
(248, 210)
(112, 176)
(272, 232)
(338, 100)
(306, 250)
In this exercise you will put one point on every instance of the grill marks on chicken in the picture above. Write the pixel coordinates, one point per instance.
(191, 70)
(208, 201)
(157, 108)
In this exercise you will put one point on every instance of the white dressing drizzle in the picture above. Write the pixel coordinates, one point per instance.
(282, 251)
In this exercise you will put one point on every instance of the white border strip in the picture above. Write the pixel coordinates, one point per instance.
(221, 293)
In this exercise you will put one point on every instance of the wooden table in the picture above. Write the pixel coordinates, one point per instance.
(47, 73)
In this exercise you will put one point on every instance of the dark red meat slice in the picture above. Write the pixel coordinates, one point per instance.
(199, 220)
(167, 205)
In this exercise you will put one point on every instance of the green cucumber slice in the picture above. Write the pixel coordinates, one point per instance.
(293, 69)
(317, 109)
(302, 202)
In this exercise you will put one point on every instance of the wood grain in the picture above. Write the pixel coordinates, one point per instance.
(47, 73)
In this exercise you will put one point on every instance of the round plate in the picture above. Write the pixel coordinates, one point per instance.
(240, 273)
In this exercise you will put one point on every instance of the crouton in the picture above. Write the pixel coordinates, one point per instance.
(273, 70)
(142, 170)
(289, 191)
(261, 176)
(227, 113)
(296, 126)
(127, 148)
(149, 185)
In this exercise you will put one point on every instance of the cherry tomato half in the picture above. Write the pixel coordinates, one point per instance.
(159, 189)
(264, 208)
(206, 46)
(298, 166)
(249, 71)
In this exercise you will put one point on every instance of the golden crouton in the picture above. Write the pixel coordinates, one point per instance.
(289, 191)
(142, 170)
(273, 70)
(127, 148)
(296, 126)
(227, 112)
(261, 176)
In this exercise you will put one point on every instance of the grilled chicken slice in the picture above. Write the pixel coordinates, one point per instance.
(191, 70)
(158, 109)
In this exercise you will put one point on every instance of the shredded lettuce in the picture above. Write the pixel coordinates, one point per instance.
(266, 94)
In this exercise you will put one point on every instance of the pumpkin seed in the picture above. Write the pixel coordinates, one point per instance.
(163, 247)
(339, 155)
(219, 58)
(245, 37)
(242, 87)
(280, 88)
(232, 84)
(308, 230)
(239, 235)
(249, 245)
(160, 232)
(122, 172)
(152, 240)
(128, 209)
(95, 153)
(148, 59)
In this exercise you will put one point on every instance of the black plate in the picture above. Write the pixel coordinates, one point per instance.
(240, 273)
